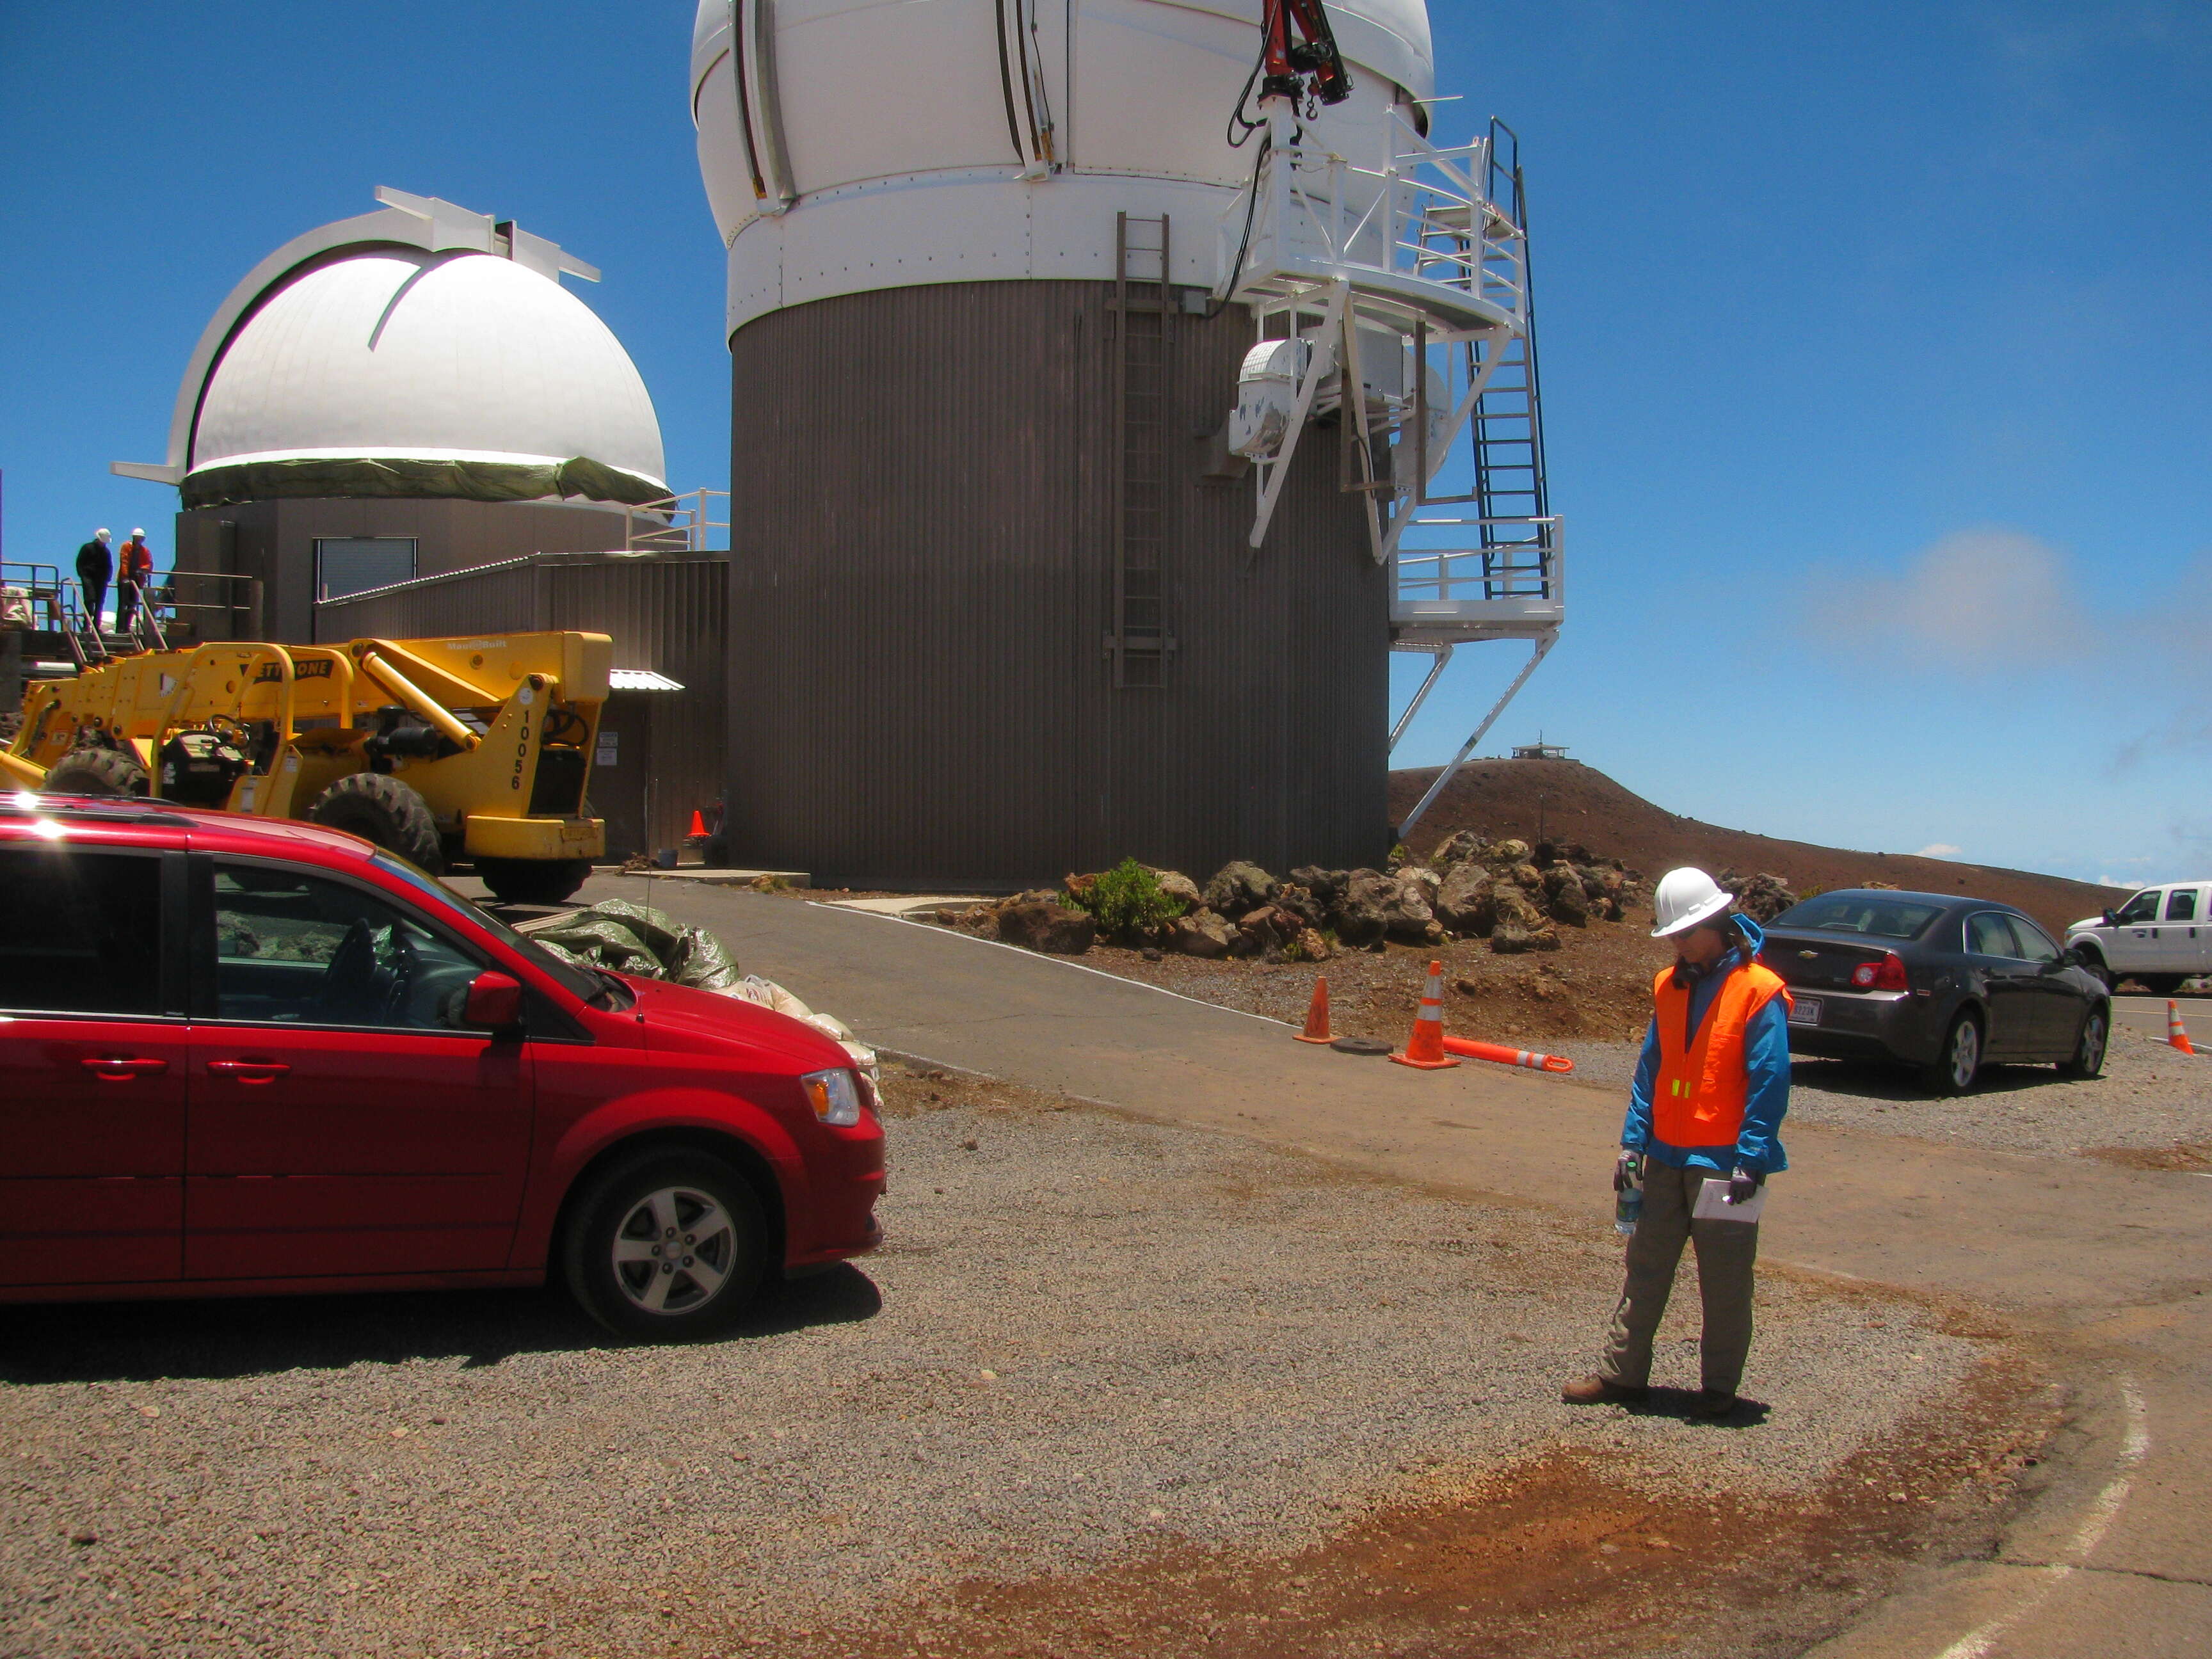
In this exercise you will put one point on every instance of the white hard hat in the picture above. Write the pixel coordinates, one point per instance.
(1685, 898)
(137, 535)
(102, 533)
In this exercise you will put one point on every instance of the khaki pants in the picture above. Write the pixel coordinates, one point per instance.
(1726, 1250)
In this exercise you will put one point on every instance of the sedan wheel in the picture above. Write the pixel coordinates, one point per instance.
(2089, 1053)
(1961, 1061)
(667, 1247)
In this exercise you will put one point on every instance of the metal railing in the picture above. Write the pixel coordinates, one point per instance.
(675, 527)
(1514, 584)
(1421, 228)
(211, 604)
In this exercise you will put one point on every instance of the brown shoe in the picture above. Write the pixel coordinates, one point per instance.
(1598, 1391)
(1711, 1405)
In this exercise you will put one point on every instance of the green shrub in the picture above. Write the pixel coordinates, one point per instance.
(1127, 901)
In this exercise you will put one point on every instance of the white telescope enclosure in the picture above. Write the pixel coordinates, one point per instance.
(854, 145)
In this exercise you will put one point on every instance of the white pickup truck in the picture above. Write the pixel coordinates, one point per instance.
(2158, 937)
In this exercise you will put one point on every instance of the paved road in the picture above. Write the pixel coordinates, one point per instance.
(2114, 1265)
(2148, 1014)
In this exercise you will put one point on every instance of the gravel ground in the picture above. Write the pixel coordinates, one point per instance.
(1087, 1339)
(2150, 1099)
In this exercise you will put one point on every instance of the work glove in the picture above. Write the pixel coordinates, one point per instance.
(1743, 1184)
(1627, 1171)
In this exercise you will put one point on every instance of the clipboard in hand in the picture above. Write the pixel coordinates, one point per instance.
(1713, 1203)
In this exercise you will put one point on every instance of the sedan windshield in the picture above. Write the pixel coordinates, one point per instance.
(1873, 913)
(580, 981)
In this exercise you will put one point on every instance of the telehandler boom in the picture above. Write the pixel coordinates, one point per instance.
(435, 749)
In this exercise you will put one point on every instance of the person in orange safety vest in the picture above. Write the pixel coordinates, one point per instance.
(1704, 1113)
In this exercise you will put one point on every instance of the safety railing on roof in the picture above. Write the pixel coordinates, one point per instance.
(674, 523)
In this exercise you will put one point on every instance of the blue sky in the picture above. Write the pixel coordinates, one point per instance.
(1878, 368)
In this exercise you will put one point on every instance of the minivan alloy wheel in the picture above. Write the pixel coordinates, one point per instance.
(674, 1251)
(669, 1245)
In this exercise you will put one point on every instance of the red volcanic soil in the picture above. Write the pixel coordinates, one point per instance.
(1581, 803)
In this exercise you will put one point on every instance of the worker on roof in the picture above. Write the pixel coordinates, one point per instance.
(95, 568)
(132, 578)
(1704, 1112)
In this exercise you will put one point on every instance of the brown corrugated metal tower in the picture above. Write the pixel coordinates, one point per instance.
(992, 615)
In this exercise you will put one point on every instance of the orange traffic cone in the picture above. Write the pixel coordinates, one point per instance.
(2174, 1035)
(698, 830)
(1425, 1047)
(1317, 1014)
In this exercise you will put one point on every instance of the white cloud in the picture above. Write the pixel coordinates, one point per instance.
(1976, 600)
(1938, 849)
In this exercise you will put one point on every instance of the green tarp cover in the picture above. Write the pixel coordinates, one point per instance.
(635, 939)
(470, 481)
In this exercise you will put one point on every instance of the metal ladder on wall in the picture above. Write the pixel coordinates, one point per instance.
(1142, 321)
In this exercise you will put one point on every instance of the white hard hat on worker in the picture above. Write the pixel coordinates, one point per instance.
(1685, 898)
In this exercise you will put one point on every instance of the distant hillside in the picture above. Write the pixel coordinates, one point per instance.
(1581, 803)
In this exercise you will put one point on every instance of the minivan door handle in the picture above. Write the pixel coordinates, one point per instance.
(249, 1070)
(123, 1068)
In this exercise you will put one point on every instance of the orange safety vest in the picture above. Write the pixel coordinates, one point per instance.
(1698, 1099)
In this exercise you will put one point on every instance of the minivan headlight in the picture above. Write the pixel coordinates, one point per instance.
(835, 1095)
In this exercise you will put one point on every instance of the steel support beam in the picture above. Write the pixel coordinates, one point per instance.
(1466, 748)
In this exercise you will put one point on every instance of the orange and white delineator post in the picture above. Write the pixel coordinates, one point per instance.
(1505, 1056)
(2175, 1035)
(1316, 1014)
(1425, 1047)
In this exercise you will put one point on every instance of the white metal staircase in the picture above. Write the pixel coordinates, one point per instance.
(1409, 280)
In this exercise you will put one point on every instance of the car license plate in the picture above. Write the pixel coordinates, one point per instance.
(1805, 1011)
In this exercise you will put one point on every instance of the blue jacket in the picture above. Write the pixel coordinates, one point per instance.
(1766, 1059)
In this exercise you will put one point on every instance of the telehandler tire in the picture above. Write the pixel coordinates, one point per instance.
(533, 881)
(381, 809)
(96, 772)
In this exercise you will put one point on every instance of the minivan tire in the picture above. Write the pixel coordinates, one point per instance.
(379, 808)
(1958, 1062)
(96, 772)
(670, 1246)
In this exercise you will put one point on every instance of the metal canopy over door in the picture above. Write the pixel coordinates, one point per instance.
(341, 1123)
(92, 1046)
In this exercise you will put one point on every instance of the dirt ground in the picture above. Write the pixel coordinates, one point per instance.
(1111, 1388)
(1596, 985)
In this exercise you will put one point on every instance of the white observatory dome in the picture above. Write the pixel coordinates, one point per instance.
(850, 145)
(400, 354)
(422, 350)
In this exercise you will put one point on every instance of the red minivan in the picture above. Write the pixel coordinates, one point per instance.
(240, 1056)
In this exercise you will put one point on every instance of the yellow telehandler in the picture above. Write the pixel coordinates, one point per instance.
(435, 749)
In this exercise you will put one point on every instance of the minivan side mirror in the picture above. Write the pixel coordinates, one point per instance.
(494, 1001)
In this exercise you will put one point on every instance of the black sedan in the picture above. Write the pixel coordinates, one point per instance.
(1941, 982)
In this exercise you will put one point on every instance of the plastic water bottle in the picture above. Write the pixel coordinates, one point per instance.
(1628, 1202)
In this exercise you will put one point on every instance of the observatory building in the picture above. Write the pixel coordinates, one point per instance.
(397, 396)
(1114, 386)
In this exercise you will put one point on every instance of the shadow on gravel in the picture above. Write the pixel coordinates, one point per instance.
(1871, 1080)
(1664, 1401)
(138, 1341)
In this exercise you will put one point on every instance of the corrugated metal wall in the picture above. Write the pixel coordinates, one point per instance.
(663, 612)
(921, 582)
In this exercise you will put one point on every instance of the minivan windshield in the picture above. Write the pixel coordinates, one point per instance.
(582, 982)
(1876, 915)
